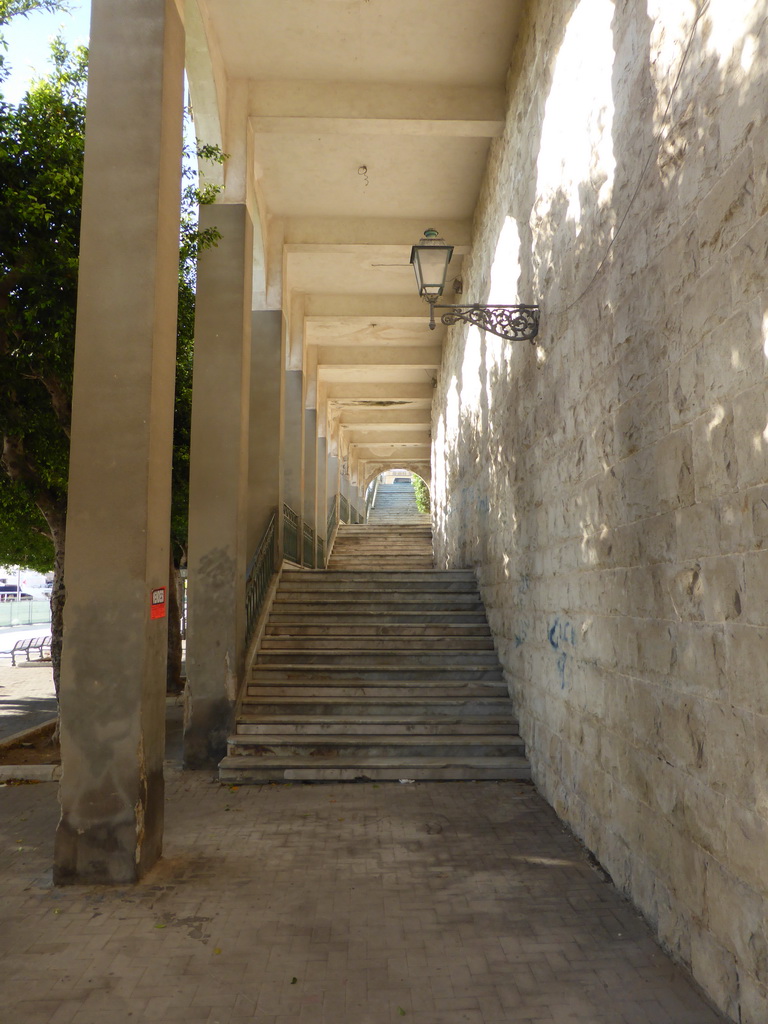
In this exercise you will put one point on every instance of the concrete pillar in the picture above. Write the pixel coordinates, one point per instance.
(321, 477)
(293, 440)
(118, 526)
(264, 486)
(310, 473)
(344, 487)
(332, 482)
(218, 484)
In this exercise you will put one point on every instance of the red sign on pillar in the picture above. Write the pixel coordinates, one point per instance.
(157, 604)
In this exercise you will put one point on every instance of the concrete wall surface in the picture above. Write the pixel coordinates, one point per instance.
(611, 485)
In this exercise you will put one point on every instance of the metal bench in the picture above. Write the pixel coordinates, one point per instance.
(41, 644)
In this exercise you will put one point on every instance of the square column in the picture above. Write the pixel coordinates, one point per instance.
(264, 476)
(218, 485)
(310, 474)
(118, 525)
(293, 440)
(321, 483)
(331, 483)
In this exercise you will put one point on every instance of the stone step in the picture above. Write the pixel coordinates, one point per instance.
(362, 549)
(374, 584)
(415, 614)
(378, 725)
(471, 689)
(376, 629)
(364, 660)
(403, 674)
(253, 708)
(377, 538)
(370, 529)
(380, 561)
(358, 747)
(437, 690)
(428, 599)
(307, 769)
(365, 645)
(408, 577)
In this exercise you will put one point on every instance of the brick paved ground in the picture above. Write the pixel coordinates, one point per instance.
(452, 903)
(27, 696)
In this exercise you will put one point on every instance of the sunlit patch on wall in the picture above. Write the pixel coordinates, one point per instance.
(576, 142)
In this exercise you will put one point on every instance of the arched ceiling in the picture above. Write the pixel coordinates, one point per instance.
(351, 126)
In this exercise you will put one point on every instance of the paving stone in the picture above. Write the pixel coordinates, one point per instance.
(455, 902)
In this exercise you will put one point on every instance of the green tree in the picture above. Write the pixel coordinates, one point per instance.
(421, 491)
(41, 160)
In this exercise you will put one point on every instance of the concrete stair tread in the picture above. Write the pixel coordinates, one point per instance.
(422, 720)
(326, 612)
(422, 703)
(420, 674)
(456, 740)
(289, 629)
(326, 723)
(373, 644)
(377, 688)
(381, 768)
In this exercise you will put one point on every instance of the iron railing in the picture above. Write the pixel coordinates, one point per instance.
(320, 553)
(290, 534)
(332, 519)
(260, 572)
(309, 546)
(343, 509)
(370, 498)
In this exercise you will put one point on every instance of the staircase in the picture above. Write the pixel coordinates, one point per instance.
(374, 548)
(396, 506)
(379, 667)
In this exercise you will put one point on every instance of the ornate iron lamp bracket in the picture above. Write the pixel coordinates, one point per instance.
(513, 323)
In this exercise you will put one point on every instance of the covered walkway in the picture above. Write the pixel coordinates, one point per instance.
(437, 903)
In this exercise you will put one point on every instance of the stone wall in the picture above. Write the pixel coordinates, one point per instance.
(610, 487)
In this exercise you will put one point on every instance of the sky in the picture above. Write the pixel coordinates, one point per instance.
(28, 43)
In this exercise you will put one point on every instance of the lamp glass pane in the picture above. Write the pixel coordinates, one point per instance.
(430, 264)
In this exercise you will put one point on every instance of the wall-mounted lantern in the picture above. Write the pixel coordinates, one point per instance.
(430, 259)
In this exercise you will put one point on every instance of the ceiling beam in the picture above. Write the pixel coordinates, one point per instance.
(390, 126)
(370, 100)
(374, 231)
(372, 357)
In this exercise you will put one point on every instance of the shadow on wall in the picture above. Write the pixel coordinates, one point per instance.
(610, 488)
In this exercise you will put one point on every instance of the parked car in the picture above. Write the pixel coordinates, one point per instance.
(10, 592)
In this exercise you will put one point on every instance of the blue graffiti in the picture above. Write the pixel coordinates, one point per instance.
(561, 635)
(561, 663)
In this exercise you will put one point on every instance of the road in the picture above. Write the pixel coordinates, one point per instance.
(27, 696)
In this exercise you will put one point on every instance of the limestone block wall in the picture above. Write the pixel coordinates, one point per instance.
(611, 486)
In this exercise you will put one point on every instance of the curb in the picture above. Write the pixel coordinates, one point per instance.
(28, 734)
(30, 773)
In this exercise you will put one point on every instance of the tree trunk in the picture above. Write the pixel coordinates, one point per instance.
(173, 675)
(58, 526)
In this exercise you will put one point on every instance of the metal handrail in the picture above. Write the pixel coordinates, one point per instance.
(260, 572)
(343, 509)
(332, 519)
(320, 553)
(290, 534)
(370, 498)
(308, 552)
